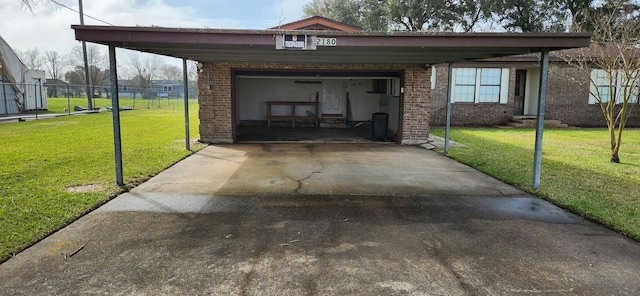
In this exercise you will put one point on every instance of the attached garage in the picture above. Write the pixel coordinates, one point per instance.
(268, 105)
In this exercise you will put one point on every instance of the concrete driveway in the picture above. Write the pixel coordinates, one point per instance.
(326, 219)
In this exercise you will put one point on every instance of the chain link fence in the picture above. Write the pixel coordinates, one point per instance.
(68, 98)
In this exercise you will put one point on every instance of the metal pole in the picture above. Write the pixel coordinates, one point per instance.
(447, 134)
(35, 97)
(115, 110)
(186, 104)
(542, 102)
(68, 99)
(86, 62)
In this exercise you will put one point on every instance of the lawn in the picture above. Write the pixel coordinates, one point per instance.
(41, 160)
(61, 105)
(576, 172)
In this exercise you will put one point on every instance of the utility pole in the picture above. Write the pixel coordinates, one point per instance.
(86, 63)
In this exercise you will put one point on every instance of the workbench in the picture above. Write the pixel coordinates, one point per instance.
(292, 117)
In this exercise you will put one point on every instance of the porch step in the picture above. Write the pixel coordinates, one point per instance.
(531, 122)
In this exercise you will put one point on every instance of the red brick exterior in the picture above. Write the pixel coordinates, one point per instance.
(568, 102)
(469, 114)
(215, 83)
(215, 99)
(415, 111)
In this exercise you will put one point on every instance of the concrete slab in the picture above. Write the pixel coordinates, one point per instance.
(197, 229)
(324, 169)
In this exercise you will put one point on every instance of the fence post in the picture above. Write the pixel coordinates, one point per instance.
(35, 97)
(68, 99)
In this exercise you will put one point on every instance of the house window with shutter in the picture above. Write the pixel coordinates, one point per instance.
(607, 84)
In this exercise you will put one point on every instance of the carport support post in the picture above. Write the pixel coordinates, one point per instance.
(542, 102)
(186, 103)
(447, 134)
(115, 110)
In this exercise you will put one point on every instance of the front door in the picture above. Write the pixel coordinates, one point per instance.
(521, 78)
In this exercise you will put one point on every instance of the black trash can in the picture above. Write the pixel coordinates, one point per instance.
(379, 122)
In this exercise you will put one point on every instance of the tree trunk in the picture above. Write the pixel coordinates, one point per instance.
(614, 156)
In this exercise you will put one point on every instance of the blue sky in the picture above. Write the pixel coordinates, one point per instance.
(48, 27)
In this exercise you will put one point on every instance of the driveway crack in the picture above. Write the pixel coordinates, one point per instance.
(318, 171)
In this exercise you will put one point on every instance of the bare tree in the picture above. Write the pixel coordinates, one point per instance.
(612, 65)
(144, 71)
(170, 72)
(30, 4)
(31, 57)
(54, 63)
(97, 64)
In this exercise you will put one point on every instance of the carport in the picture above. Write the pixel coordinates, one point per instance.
(226, 56)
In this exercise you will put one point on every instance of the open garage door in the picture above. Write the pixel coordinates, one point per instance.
(315, 106)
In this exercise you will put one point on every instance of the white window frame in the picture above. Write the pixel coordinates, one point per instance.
(504, 86)
(618, 86)
(125, 88)
(167, 88)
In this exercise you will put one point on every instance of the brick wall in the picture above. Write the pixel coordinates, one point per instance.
(569, 102)
(469, 114)
(566, 101)
(216, 98)
(415, 111)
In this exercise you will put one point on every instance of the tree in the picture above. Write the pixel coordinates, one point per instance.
(143, 72)
(468, 13)
(368, 14)
(76, 77)
(576, 9)
(54, 63)
(98, 78)
(532, 15)
(612, 65)
(170, 72)
(406, 15)
(31, 57)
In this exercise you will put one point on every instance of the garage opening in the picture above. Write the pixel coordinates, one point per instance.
(285, 106)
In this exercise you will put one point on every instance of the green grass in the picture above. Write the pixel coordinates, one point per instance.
(61, 105)
(576, 172)
(40, 159)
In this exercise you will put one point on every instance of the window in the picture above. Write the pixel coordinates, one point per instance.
(613, 84)
(479, 85)
(125, 88)
(167, 88)
(378, 86)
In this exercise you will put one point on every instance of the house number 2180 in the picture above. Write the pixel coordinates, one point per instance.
(326, 41)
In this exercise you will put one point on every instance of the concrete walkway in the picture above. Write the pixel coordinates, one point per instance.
(326, 220)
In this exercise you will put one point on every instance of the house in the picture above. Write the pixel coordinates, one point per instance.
(298, 74)
(481, 98)
(21, 89)
(57, 87)
(159, 88)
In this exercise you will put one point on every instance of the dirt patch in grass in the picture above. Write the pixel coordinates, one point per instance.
(86, 188)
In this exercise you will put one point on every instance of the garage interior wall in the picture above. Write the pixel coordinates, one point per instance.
(252, 93)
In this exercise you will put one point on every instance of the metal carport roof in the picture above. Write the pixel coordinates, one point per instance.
(224, 45)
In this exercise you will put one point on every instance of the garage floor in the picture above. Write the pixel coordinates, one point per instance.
(326, 219)
(248, 134)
